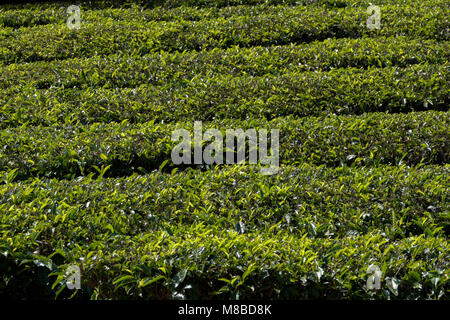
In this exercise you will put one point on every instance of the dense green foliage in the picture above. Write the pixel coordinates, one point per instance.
(141, 228)
(125, 70)
(86, 176)
(339, 91)
(297, 24)
(61, 151)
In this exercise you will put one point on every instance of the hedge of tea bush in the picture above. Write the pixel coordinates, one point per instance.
(219, 96)
(221, 4)
(124, 70)
(41, 14)
(306, 232)
(299, 24)
(373, 139)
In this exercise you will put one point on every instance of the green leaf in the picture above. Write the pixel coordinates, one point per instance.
(121, 281)
(146, 281)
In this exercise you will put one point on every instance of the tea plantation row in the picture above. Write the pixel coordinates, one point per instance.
(299, 24)
(125, 70)
(339, 91)
(165, 5)
(42, 15)
(306, 232)
(374, 139)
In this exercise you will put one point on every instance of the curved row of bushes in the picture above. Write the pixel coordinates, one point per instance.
(42, 15)
(218, 96)
(125, 70)
(169, 236)
(63, 151)
(24, 18)
(320, 202)
(51, 42)
(222, 4)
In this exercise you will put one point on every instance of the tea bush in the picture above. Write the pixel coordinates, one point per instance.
(296, 25)
(306, 232)
(298, 93)
(125, 70)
